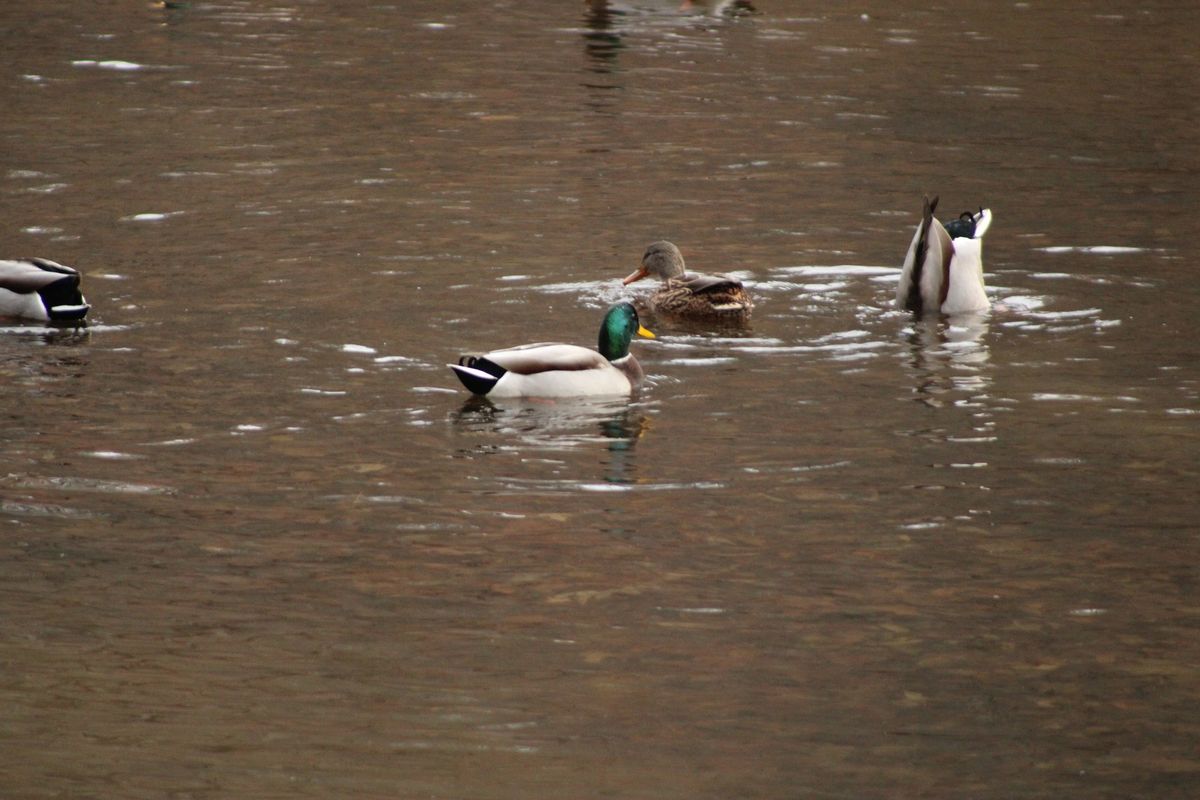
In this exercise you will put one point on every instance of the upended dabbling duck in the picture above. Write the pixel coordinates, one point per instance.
(713, 297)
(549, 369)
(38, 288)
(943, 269)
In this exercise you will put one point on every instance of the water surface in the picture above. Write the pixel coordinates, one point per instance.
(259, 543)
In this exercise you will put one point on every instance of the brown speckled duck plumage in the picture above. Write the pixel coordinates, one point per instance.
(717, 297)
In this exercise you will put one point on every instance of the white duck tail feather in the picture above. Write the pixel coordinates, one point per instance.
(69, 309)
(983, 220)
(475, 373)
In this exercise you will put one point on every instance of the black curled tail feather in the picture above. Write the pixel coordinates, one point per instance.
(914, 301)
(483, 364)
(478, 373)
(62, 292)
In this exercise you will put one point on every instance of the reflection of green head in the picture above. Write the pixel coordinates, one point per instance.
(617, 331)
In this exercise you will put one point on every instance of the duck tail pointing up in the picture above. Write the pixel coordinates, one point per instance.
(914, 302)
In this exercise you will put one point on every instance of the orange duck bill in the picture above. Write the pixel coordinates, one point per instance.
(641, 272)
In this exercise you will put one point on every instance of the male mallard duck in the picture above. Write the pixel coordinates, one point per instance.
(38, 288)
(699, 296)
(943, 270)
(560, 370)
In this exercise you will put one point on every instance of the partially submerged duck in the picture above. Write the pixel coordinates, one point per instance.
(717, 297)
(37, 288)
(943, 270)
(550, 369)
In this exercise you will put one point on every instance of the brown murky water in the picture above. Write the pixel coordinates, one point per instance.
(257, 543)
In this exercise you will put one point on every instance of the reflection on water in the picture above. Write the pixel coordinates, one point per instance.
(48, 334)
(949, 356)
(607, 23)
(606, 11)
(44, 358)
(531, 425)
(601, 42)
(256, 544)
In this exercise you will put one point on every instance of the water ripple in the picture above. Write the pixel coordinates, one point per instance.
(27, 509)
(78, 484)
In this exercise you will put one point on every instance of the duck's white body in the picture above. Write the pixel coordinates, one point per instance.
(550, 369)
(37, 288)
(555, 370)
(943, 272)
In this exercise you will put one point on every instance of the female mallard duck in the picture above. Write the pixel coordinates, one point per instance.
(699, 296)
(560, 370)
(37, 288)
(943, 270)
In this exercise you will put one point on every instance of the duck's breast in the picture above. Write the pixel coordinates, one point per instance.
(966, 291)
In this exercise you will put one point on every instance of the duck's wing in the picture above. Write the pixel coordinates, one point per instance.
(705, 284)
(706, 295)
(531, 359)
(34, 274)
